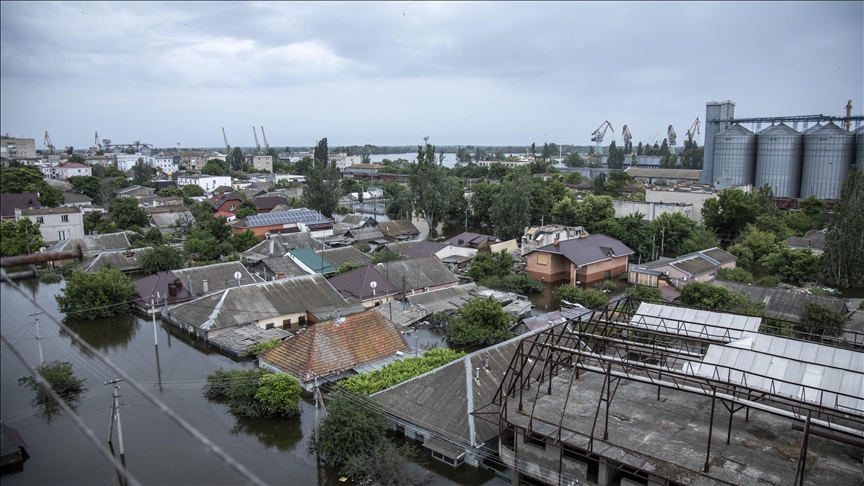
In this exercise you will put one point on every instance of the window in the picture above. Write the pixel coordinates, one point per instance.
(608, 274)
(61, 235)
(269, 325)
(40, 219)
(64, 218)
(535, 439)
(542, 259)
(286, 323)
(232, 207)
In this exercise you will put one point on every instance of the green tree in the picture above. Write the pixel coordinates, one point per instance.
(193, 190)
(247, 208)
(16, 180)
(94, 222)
(574, 160)
(95, 296)
(497, 171)
(170, 191)
(590, 298)
(644, 292)
(384, 256)
(820, 319)
(692, 155)
(511, 213)
(671, 230)
(480, 321)
(430, 191)
(323, 182)
(322, 153)
(304, 165)
(399, 371)
(729, 214)
(244, 240)
(49, 196)
(217, 167)
(759, 243)
(701, 238)
(599, 185)
(463, 155)
(161, 257)
(616, 183)
(20, 237)
(126, 214)
(235, 159)
(482, 202)
(631, 231)
(736, 274)
(799, 265)
(615, 160)
(842, 264)
(489, 264)
(61, 379)
(280, 394)
(143, 172)
(715, 297)
(354, 425)
(89, 186)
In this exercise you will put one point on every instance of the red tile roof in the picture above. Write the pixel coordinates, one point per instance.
(330, 348)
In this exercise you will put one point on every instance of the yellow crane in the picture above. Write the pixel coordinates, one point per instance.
(49, 144)
(693, 130)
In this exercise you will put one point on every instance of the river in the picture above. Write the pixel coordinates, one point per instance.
(157, 451)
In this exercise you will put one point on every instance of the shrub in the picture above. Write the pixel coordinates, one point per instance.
(354, 425)
(610, 286)
(94, 296)
(736, 274)
(769, 281)
(364, 247)
(644, 292)
(264, 346)
(590, 298)
(48, 276)
(480, 322)
(399, 371)
(520, 284)
(255, 393)
(821, 320)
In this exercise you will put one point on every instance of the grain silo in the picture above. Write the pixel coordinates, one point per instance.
(829, 152)
(779, 155)
(735, 155)
(859, 142)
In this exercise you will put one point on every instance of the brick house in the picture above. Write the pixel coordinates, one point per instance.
(580, 260)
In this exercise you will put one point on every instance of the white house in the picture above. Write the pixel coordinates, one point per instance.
(56, 224)
(125, 162)
(207, 182)
(167, 163)
(71, 169)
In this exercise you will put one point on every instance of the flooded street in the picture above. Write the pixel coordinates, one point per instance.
(157, 451)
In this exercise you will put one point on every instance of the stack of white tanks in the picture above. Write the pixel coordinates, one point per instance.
(793, 164)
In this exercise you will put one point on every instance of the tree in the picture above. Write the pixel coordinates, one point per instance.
(692, 155)
(89, 186)
(143, 172)
(430, 188)
(736, 274)
(574, 160)
(843, 261)
(590, 298)
(161, 257)
(631, 231)
(512, 211)
(65, 384)
(615, 160)
(497, 171)
(599, 185)
(701, 238)
(255, 393)
(95, 296)
(616, 183)
(323, 188)
(354, 425)
(640, 293)
(463, 155)
(20, 237)
(193, 190)
(479, 155)
(716, 297)
(280, 394)
(482, 202)
(244, 240)
(486, 264)
(125, 213)
(217, 167)
(671, 230)
(820, 319)
(480, 321)
(729, 214)
(247, 208)
(799, 265)
(385, 255)
(321, 152)
(16, 180)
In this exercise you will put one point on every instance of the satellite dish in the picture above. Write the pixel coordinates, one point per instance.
(373, 284)
(238, 275)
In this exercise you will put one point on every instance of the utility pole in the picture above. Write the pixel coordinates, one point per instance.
(653, 242)
(115, 416)
(153, 308)
(317, 398)
(662, 240)
(38, 336)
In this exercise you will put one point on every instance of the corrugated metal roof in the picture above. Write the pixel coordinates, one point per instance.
(693, 323)
(694, 266)
(719, 255)
(398, 246)
(398, 227)
(423, 249)
(125, 260)
(663, 173)
(296, 240)
(788, 304)
(330, 348)
(365, 234)
(417, 273)
(340, 256)
(356, 284)
(807, 371)
(95, 244)
(219, 276)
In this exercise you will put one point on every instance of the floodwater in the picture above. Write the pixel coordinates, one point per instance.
(157, 451)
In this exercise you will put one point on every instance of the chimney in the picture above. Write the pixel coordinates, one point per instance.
(206, 287)
(556, 240)
(172, 289)
(477, 373)
(280, 275)
(486, 362)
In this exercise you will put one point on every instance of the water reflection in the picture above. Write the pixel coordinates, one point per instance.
(282, 434)
(105, 334)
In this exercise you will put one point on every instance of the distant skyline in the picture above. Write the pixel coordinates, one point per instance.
(478, 73)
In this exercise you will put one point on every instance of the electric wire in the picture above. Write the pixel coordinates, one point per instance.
(206, 443)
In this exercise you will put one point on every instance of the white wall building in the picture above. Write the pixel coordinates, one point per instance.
(125, 162)
(207, 182)
(17, 148)
(55, 224)
(167, 163)
(70, 169)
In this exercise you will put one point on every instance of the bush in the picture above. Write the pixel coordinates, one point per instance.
(480, 322)
(263, 347)
(590, 298)
(353, 426)
(736, 274)
(520, 284)
(364, 247)
(255, 393)
(644, 292)
(610, 286)
(48, 276)
(820, 319)
(769, 281)
(94, 296)
(399, 371)
(161, 257)
(59, 376)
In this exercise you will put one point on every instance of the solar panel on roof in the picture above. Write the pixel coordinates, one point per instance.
(282, 217)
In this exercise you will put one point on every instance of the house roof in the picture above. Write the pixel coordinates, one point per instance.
(417, 273)
(357, 284)
(265, 300)
(283, 217)
(40, 211)
(125, 260)
(95, 244)
(8, 203)
(590, 249)
(442, 401)
(783, 303)
(718, 255)
(813, 239)
(357, 220)
(316, 262)
(365, 234)
(219, 276)
(398, 228)
(276, 265)
(267, 203)
(163, 219)
(72, 165)
(232, 196)
(74, 197)
(398, 247)
(340, 256)
(237, 341)
(333, 347)
(423, 249)
(293, 241)
(550, 318)
(468, 239)
(157, 283)
(694, 265)
(266, 248)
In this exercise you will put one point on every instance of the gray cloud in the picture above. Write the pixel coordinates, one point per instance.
(390, 73)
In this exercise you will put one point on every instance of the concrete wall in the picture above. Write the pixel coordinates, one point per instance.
(697, 199)
(541, 462)
(651, 210)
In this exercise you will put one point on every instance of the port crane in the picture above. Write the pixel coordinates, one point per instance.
(266, 145)
(671, 136)
(257, 145)
(597, 136)
(625, 132)
(693, 131)
(227, 147)
(49, 144)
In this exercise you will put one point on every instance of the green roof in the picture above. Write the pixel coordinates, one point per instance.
(312, 260)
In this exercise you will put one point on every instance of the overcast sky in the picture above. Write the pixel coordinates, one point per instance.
(391, 73)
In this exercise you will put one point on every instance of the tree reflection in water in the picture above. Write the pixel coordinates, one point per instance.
(283, 434)
(105, 334)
